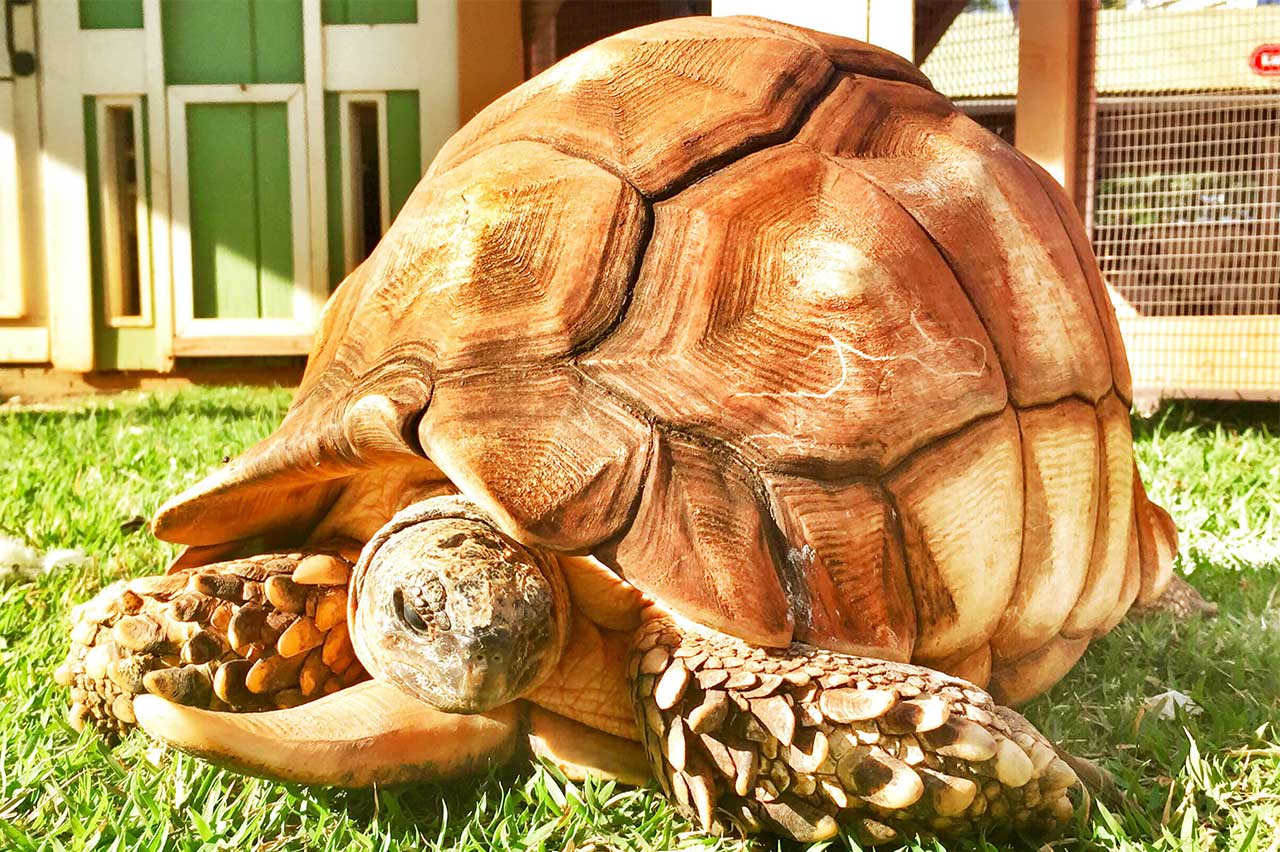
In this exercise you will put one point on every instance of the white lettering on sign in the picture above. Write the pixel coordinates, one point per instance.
(1265, 59)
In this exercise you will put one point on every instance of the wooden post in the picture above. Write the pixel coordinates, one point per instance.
(65, 191)
(490, 54)
(1048, 85)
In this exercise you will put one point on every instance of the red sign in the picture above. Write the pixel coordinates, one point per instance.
(1265, 60)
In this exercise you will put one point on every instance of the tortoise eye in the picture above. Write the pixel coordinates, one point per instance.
(410, 614)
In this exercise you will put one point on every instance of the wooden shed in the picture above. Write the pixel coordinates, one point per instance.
(187, 179)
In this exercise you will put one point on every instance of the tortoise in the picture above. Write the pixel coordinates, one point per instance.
(724, 408)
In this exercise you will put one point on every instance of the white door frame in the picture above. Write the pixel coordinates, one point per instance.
(24, 329)
(13, 290)
(347, 150)
(212, 336)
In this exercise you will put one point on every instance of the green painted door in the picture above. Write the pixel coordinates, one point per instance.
(241, 221)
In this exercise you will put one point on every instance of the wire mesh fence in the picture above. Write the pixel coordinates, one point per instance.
(1183, 199)
(975, 63)
(1179, 155)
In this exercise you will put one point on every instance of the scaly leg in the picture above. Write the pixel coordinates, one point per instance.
(803, 741)
(173, 652)
(269, 632)
(259, 633)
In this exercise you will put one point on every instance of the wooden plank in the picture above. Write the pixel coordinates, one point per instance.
(110, 14)
(207, 42)
(312, 143)
(13, 296)
(1219, 357)
(224, 249)
(243, 345)
(112, 62)
(277, 42)
(64, 195)
(437, 83)
(381, 11)
(333, 12)
(271, 141)
(42, 385)
(372, 11)
(103, 341)
(333, 189)
(1048, 86)
(490, 53)
(931, 23)
(359, 58)
(404, 154)
(158, 190)
(24, 345)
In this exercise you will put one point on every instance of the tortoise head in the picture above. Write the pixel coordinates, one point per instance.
(455, 613)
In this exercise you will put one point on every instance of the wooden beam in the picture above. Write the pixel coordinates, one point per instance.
(438, 69)
(932, 19)
(538, 26)
(490, 54)
(1049, 97)
(65, 191)
(1211, 357)
(34, 386)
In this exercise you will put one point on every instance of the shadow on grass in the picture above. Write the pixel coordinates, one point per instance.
(1209, 417)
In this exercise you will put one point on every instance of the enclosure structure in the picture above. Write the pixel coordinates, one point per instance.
(191, 179)
(1175, 168)
(1184, 202)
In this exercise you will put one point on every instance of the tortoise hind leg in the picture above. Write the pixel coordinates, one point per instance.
(260, 633)
(803, 741)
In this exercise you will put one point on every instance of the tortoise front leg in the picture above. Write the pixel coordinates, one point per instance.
(173, 653)
(803, 741)
(258, 633)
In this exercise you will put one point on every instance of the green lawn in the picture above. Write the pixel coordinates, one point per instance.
(85, 475)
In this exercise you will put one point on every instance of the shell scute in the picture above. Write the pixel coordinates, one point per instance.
(700, 544)
(978, 202)
(788, 308)
(960, 503)
(844, 555)
(545, 452)
(732, 85)
(521, 254)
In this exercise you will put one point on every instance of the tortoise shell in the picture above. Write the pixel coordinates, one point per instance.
(760, 320)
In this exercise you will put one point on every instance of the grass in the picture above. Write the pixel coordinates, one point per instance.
(85, 475)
